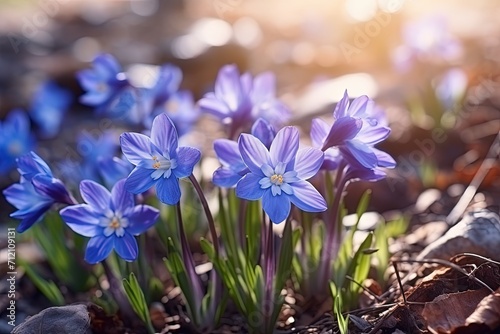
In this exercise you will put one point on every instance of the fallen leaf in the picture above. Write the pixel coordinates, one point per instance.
(487, 312)
(449, 311)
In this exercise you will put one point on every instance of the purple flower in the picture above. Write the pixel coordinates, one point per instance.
(355, 131)
(110, 220)
(158, 160)
(233, 168)
(239, 100)
(36, 192)
(48, 107)
(279, 175)
(428, 39)
(451, 87)
(15, 139)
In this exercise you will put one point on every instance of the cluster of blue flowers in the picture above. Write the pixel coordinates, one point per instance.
(265, 164)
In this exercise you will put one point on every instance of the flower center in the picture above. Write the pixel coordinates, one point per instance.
(277, 179)
(163, 166)
(113, 222)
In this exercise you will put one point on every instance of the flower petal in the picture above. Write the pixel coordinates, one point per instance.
(121, 199)
(139, 180)
(136, 147)
(284, 147)
(126, 247)
(225, 178)
(187, 157)
(81, 219)
(307, 198)
(263, 131)
(164, 134)
(98, 248)
(141, 218)
(264, 87)
(32, 217)
(308, 162)
(96, 195)
(228, 154)
(168, 190)
(357, 108)
(343, 129)
(52, 188)
(364, 174)
(384, 159)
(372, 135)
(249, 188)
(358, 153)
(253, 152)
(276, 207)
(212, 105)
(319, 131)
(341, 107)
(228, 86)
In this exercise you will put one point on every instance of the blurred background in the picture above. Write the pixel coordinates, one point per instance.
(432, 66)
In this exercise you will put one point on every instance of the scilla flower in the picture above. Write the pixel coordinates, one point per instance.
(158, 160)
(279, 175)
(239, 100)
(37, 191)
(110, 219)
(15, 139)
(355, 131)
(233, 168)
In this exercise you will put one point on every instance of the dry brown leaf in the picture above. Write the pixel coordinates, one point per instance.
(487, 312)
(448, 312)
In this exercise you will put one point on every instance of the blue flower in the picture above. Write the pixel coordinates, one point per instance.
(180, 108)
(239, 100)
(158, 160)
(102, 82)
(233, 168)
(356, 129)
(48, 107)
(36, 192)
(15, 139)
(113, 169)
(110, 220)
(92, 149)
(279, 175)
(109, 90)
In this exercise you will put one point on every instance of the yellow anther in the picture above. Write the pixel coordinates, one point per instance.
(115, 223)
(154, 157)
(156, 165)
(277, 179)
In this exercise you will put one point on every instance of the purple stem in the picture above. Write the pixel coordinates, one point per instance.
(208, 213)
(333, 230)
(188, 257)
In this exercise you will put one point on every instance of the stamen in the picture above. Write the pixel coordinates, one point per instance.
(115, 223)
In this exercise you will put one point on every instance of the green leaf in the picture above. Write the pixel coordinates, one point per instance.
(137, 300)
(48, 288)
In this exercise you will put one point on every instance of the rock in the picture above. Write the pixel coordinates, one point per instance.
(71, 319)
(478, 232)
